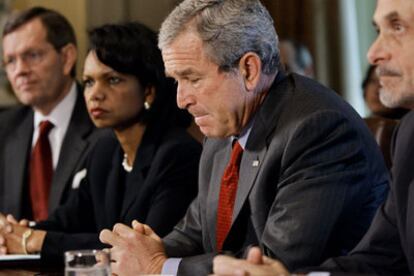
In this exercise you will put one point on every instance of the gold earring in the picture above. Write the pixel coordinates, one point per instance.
(147, 106)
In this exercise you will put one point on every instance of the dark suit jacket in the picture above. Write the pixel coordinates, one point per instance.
(157, 192)
(388, 246)
(311, 178)
(16, 130)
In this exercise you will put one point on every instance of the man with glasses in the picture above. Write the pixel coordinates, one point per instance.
(44, 142)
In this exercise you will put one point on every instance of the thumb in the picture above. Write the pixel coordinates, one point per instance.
(254, 256)
(149, 232)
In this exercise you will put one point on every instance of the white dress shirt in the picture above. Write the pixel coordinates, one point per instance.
(60, 118)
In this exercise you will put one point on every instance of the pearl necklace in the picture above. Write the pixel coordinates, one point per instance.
(125, 164)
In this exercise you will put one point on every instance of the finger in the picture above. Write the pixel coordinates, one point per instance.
(3, 250)
(3, 221)
(151, 233)
(24, 222)
(241, 272)
(254, 256)
(115, 268)
(125, 231)
(8, 229)
(225, 265)
(276, 266)
(139, 227)
(11, 219)
(2, 240)
(106, 236)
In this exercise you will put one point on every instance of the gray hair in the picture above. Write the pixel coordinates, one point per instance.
(228, 29)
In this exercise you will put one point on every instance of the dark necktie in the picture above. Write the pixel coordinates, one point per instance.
(41, 172)
(228, 190)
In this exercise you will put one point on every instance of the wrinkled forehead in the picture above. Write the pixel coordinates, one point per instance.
(388, 10)
(29, 35)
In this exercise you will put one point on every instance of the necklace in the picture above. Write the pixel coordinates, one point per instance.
(125, 164)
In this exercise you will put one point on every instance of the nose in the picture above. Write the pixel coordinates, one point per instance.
(94, 93)
(184, 96)
(21, 67)
(378, 52)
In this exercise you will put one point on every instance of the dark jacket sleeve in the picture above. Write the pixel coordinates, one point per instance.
(383, 249)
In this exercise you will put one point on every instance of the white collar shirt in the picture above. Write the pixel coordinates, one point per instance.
(60, 118)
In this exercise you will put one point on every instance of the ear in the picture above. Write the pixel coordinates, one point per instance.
(250, 67)
(69, 54)
(149, 94)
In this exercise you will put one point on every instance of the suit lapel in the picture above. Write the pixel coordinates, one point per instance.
(257, 144)
(73, 147)
(249, 167)
(17, 152)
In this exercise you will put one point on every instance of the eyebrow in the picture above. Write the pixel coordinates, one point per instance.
(389, 17)
(392, 15)
(104, 74)
(183, 73)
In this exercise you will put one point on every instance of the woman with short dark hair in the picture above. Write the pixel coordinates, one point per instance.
(145, 170)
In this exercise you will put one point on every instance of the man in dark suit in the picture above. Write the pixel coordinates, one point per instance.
(388, 246)
(310, 175)
(39, 54)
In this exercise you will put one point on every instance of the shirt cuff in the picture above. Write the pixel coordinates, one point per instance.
(170, 267)
(318, 274)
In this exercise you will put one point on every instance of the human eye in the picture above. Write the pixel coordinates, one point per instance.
(397, 26)
(33, 55)
(9, 61)
(195, 80)
(87, 82)
(114, 80)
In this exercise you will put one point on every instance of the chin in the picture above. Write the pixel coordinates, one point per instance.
(102, 124)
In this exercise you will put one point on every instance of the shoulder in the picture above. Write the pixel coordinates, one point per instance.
(105, 144)
(178, 138)
(177, 144)
(403, 146)
(14, 116)
(15, 112)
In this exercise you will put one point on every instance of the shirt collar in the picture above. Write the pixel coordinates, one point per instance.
(59, 115)
(244, 135)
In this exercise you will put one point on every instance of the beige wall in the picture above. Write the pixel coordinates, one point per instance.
(85, 14)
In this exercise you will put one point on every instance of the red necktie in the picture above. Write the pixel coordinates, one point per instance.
(41, 172)
(228, 190)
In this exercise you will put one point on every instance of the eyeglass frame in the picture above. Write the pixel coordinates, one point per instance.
(31, 57)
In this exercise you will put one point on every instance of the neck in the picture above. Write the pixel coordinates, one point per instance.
(46, 108)
(130, 138)
(256, 100)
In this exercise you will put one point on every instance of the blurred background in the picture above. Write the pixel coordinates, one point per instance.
(337, 33)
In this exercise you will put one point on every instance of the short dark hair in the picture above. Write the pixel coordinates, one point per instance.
(131, 48)
(59, 31)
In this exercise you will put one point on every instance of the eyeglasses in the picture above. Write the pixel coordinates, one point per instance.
(31, 58)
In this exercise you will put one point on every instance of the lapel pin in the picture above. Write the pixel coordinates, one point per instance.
(255, 163)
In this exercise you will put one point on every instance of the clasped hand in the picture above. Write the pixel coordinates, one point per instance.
(136, 250)
(11, 233)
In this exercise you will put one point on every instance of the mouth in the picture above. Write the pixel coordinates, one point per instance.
(383, 72)
(200, 119)
(25, 85)
(97, 112)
